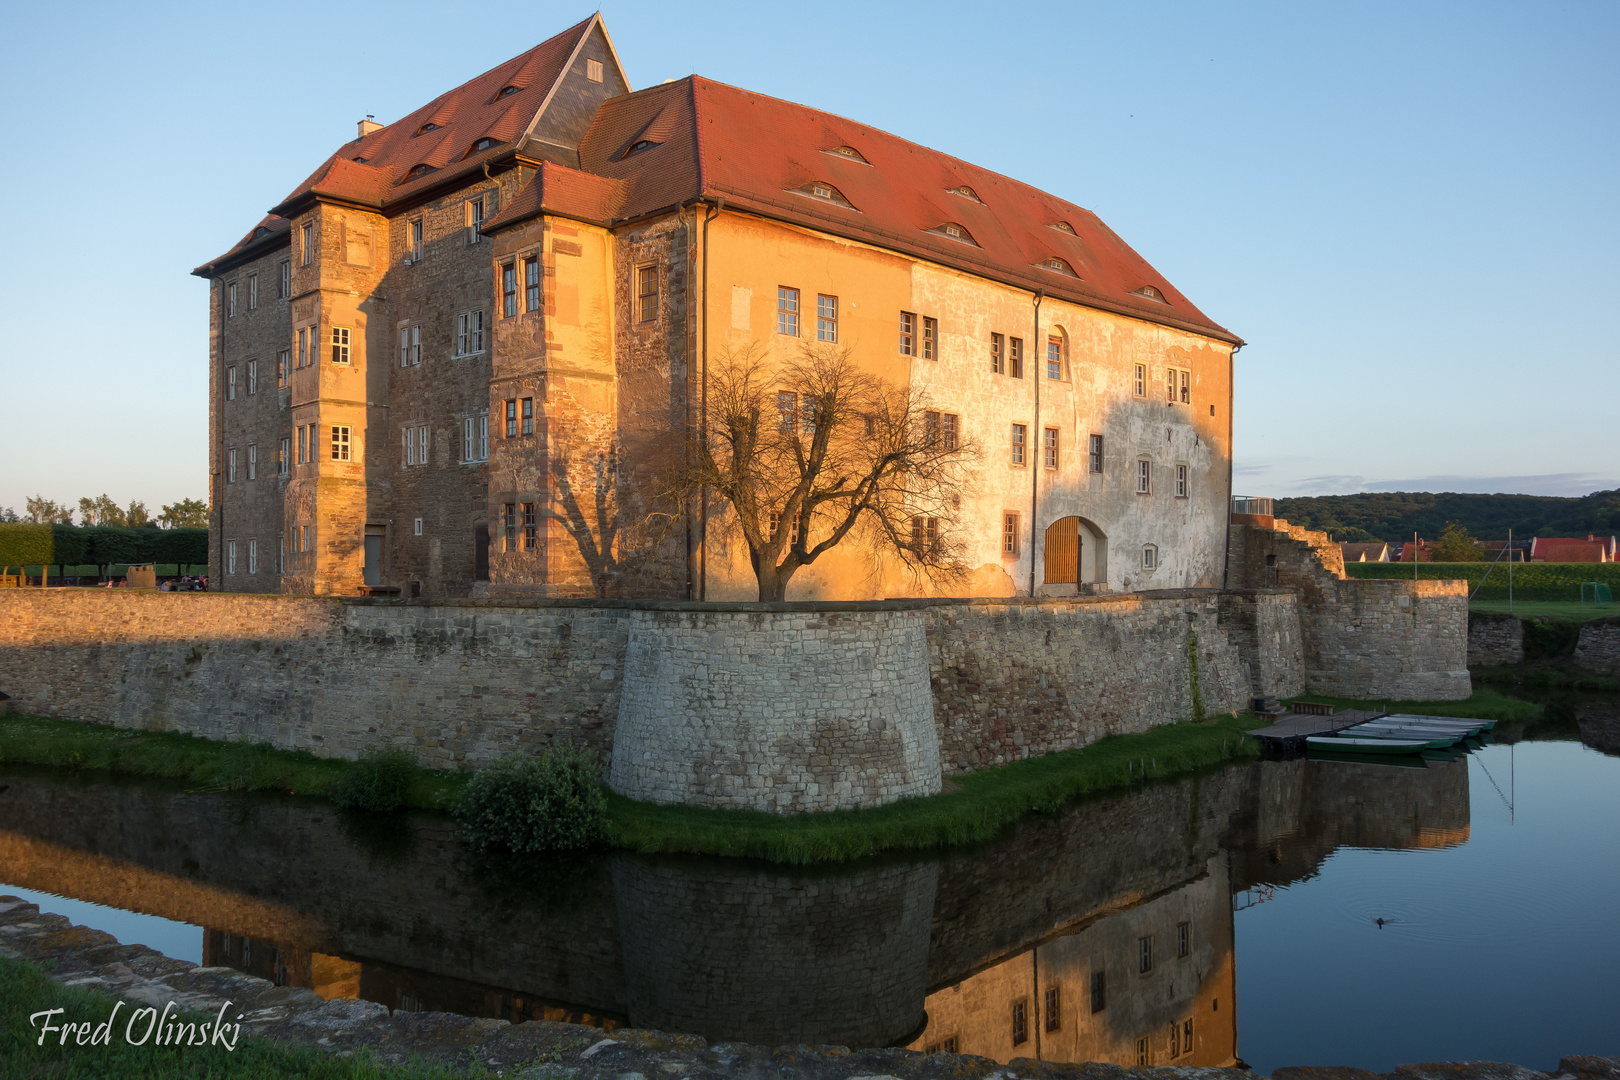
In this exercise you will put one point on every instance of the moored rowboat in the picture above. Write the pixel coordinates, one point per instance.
(1366, 746)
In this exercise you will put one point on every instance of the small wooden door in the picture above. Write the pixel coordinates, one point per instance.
(1063, 551)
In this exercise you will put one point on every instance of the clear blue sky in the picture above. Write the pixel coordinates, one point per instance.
(1408, 210)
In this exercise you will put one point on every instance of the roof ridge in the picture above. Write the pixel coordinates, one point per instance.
(697, 135)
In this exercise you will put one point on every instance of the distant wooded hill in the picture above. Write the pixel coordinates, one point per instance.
(1396, 515)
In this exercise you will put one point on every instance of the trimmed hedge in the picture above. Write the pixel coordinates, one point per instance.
(1531, 581)
(26, 544)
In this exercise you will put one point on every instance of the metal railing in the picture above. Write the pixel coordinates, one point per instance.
(1251, 504)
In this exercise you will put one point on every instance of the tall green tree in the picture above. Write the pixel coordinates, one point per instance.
(43, 511)
(185, 514)
(1456, 545)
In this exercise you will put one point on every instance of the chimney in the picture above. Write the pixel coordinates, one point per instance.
(368, 125)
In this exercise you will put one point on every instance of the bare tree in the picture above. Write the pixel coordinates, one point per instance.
(817, 449)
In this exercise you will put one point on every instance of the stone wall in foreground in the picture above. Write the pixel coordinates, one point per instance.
(1598, 648)
(1494, 640)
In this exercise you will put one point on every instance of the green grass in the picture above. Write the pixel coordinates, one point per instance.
(987, 802)
(1571, 610)
(1484, 704)
(25, 989)
(1558, 582)
(197, 762)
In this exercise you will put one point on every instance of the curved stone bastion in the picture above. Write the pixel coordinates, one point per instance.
(776, 710)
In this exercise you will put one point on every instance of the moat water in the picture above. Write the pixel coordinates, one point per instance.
(1229, 917)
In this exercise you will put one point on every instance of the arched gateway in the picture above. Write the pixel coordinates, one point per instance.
(1076, 552)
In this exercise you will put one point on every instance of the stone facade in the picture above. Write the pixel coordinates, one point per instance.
(1362, 638)
(1494, 640)
(1598, 648)
(779, 710)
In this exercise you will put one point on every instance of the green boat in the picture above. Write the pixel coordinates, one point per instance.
(1432, 739)
(1333, 744)
(1473, 722)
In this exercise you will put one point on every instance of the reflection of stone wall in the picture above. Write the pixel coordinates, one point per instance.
(776, 710)
(760, 956)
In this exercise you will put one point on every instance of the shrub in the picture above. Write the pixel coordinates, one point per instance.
(553, 802)
(377, 783)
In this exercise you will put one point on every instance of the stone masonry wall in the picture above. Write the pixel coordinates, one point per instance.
(1017, 678)
(1264, 625)
(1494, 640)
(1598, 648)
(781, 710)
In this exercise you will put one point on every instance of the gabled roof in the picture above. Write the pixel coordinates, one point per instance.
(271, 231)
(696, 138)
(436, 141)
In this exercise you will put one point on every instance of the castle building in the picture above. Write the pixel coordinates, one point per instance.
(449, 361)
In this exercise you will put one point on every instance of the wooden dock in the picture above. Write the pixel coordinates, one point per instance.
(1291, 731)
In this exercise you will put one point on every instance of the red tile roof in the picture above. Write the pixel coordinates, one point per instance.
(710, 140)
(271, 231)
(378, 169)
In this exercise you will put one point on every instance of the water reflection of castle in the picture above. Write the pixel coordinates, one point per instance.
(1104, 935)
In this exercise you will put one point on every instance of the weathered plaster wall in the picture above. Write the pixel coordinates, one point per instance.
(779, 710)
(1494, 639)
(1598, 648)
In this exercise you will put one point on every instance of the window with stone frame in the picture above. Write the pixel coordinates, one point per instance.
(340, 344)
(469, 333)
(509, 303)
(230, 300)
(282, 464)
(511, 412)
(1009, 533)
(787, 311)
(230, 466)
(924, 533)
(1053, 1015)
(253, 292)
(1095, 463)
(1139, 380)
(908, 334)
(252, 377)
(283, 362)
(1181, 481)
(253, 461)
(1015, 357)
(1020, 1022)
(284, 283)
(647, 293)
(253, 555)
(1049, 448)
(1144, 476)
(528, 416)
(826, 318)
(342, 450)
(230, 383)
(509, 527)
(475, 218)
(531, 284)
(998, 359)
(410, 346)
(930, 338)
(1020, 440)
(413, 241)
(307, 248)
(230, 556)
(530, 527)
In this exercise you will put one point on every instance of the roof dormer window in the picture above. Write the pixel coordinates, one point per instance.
(359, 161)
(966, 192)
(848, 152)
(427, 127)
(482, 144)
(508, 91)
(1058, 266)
(1150, 293)
(955, 232)
(638, 147)
(1064, 226)
(820, 189)
(419, 170)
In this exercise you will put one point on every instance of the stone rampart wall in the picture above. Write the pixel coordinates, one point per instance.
(1598, 648)
(786, 710)
(1264, 626)
(1494, 640)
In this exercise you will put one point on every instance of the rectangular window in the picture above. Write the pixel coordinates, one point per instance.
(908, 334)
(468, 439)
(230, 556)
(509, 525)
(340, 442)
(593, 70)
(1054, 1009)
(1099, 991)
(826, 318)
(528, 416)
(253, 299)
(998, 361)
(284, 289)
(1144, 955)
(1181, 481)
(508, 291)
(1186, 1036)
(787, 410)
(475, 218)
(1020, 1022)
(1144, 477)
(1009, 534)
(230, 383)
(305, 539)
(930, 338)
(1139, 386)
(253, 377)
(283, 362)
(303, 450)
(253, 461)
(469, 333)
(404, 346)
(418, 526)
(230, 300)
(407, 442)
(281, 553)
(1054, 358)
(530, 530)
(924, 533)
(483, 436)
(340, 344)
(413, 253)
(1175, 1039)
(1186, 386)
(511, 418)
(1096, 462)
(253, 556)
(1142, 1056)
(308, 243)
(303, 347)
(282, 464)
(1183, 939)
(787, 311)
(531, 284)
(1049, 448)
(1015, 357)
(931, 428)
(646, 293)
(950, 431)
(1019, 434)
(230, 466)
